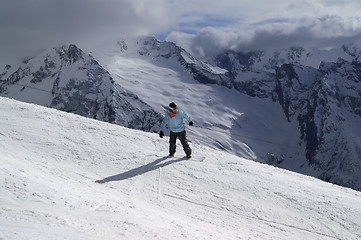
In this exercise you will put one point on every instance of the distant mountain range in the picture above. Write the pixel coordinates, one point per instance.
(322, 97)
(294, 108)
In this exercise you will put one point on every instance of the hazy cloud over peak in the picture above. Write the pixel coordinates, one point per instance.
(27, 26)
(293, 23)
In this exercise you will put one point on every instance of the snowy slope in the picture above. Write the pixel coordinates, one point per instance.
(69, 177)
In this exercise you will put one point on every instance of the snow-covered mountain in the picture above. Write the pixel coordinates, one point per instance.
(70, 177)
(67, 79)
(321, 91)
(293, 108)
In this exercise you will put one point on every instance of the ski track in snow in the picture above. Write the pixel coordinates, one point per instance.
(68, 177)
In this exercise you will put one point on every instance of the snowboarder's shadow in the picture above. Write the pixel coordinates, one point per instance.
(140, 170)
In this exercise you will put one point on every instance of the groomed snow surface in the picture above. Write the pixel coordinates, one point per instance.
(68, 177)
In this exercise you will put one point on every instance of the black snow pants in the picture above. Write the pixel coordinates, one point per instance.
(183, 138)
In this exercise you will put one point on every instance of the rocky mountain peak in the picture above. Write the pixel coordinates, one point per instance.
(67, 79)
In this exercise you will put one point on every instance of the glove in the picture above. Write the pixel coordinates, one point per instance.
(190, 123)
(161, 134)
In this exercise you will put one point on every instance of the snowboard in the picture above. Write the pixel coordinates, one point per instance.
(197, 158)
(193, 158)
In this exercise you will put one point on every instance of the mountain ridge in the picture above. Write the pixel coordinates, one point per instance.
(72, 81)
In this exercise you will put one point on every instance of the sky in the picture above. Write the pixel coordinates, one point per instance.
(203, 27)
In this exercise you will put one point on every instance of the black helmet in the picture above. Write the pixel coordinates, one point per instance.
(172, 105)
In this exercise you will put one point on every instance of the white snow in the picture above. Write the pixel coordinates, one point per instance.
(68, 177)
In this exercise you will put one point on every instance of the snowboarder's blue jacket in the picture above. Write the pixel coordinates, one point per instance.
(175, 123)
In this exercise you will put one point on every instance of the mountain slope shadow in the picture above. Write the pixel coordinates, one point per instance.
(139, 170)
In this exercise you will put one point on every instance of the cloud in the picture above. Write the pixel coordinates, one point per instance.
(322, 31)
(27, 26)
(201, 26)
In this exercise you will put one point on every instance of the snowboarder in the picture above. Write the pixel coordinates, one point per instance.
(177, 129)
